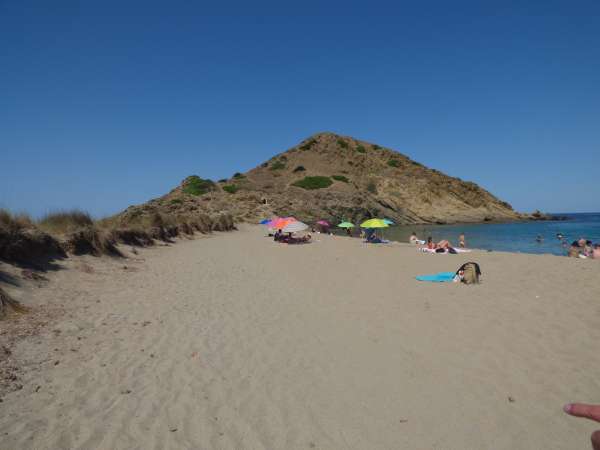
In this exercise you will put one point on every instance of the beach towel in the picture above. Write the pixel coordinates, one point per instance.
(442, 277)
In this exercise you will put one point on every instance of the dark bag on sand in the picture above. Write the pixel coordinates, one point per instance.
(451, 250)
(471, 273)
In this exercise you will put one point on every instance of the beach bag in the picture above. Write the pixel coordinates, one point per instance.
(471, 273)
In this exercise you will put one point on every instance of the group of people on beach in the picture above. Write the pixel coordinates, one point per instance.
(443, 246)
(584, 248)
(289, 238)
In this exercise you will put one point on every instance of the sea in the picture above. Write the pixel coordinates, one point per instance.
(510, 237)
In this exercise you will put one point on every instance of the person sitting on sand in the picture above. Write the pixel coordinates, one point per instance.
(413, 238)
(430, 244)
(462, 243)
(278, 235)
(349, 232)
(591, 412)
(574, 250)
(588, 249)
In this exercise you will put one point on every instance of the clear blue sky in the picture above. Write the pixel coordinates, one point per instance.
(106, 104)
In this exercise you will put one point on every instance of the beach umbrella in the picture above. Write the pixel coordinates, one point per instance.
(374, 223)
(281, 222)
(294, 226)
(264, 221)
(323, 222)
(389, 221)
(346, 225)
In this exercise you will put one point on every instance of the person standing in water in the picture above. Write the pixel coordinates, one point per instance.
(462, 243)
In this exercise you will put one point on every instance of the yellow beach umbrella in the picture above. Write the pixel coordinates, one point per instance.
(374, 223)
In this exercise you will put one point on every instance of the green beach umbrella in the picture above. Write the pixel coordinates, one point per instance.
(374, 223)
(346, 225)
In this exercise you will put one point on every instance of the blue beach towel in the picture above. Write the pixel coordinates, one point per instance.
(442, 277)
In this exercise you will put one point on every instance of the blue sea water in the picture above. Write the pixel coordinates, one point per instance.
(510, 237)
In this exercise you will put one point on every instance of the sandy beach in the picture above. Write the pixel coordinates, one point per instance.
(234, 341)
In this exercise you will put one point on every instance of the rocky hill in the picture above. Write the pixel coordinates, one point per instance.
(334, 177)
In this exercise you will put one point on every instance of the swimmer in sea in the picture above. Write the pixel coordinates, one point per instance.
(539, 238)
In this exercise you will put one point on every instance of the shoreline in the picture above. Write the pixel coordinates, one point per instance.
(248, 343)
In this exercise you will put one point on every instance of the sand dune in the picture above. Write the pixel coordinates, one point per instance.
(236, 342)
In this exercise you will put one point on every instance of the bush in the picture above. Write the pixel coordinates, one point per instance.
(223, 180)
(176, 201)
(342, 143)
(372, 187)
(361, 149)
(317, 182)
(341, 178)
(299, 169)
(375, 147)
(394, 163)
(308, 145)
(277, 165)
(65, 221)
(195, 185)
(231, 188)
(238, 176)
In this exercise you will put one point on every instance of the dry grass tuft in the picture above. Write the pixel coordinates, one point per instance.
(91, 241)
(62, 222)
(9, 304)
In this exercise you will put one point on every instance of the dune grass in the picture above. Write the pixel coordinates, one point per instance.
(11, 222)
(60, 222)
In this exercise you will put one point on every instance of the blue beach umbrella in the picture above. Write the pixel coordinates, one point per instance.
(389, 221)
(264, 221)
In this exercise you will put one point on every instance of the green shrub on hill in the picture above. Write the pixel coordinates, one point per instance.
(238, 176)
(375, 147)
(341, 178)
(195, 185)
(361, 149)
(372, 187)
(299, 169)
(317, 182)
(231, 188)
(393, 163)
(176, 201)
(308, 145)
(277, 165)
(342, 143)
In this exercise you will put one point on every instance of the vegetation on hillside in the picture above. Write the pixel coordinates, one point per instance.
(231, 188)
(194, 185)
(277, 165)
(316, 182)
(341, 178)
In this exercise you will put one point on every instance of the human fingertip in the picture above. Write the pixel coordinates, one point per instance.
(568, 407)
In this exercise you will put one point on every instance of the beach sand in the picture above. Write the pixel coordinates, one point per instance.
(235, 342)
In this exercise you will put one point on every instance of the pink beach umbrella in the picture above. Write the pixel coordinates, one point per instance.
(281, 222)
(324, 223)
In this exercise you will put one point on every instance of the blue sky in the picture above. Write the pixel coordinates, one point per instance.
(108, 104)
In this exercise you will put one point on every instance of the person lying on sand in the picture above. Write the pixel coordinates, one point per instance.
(443, 244)
(591, 412)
